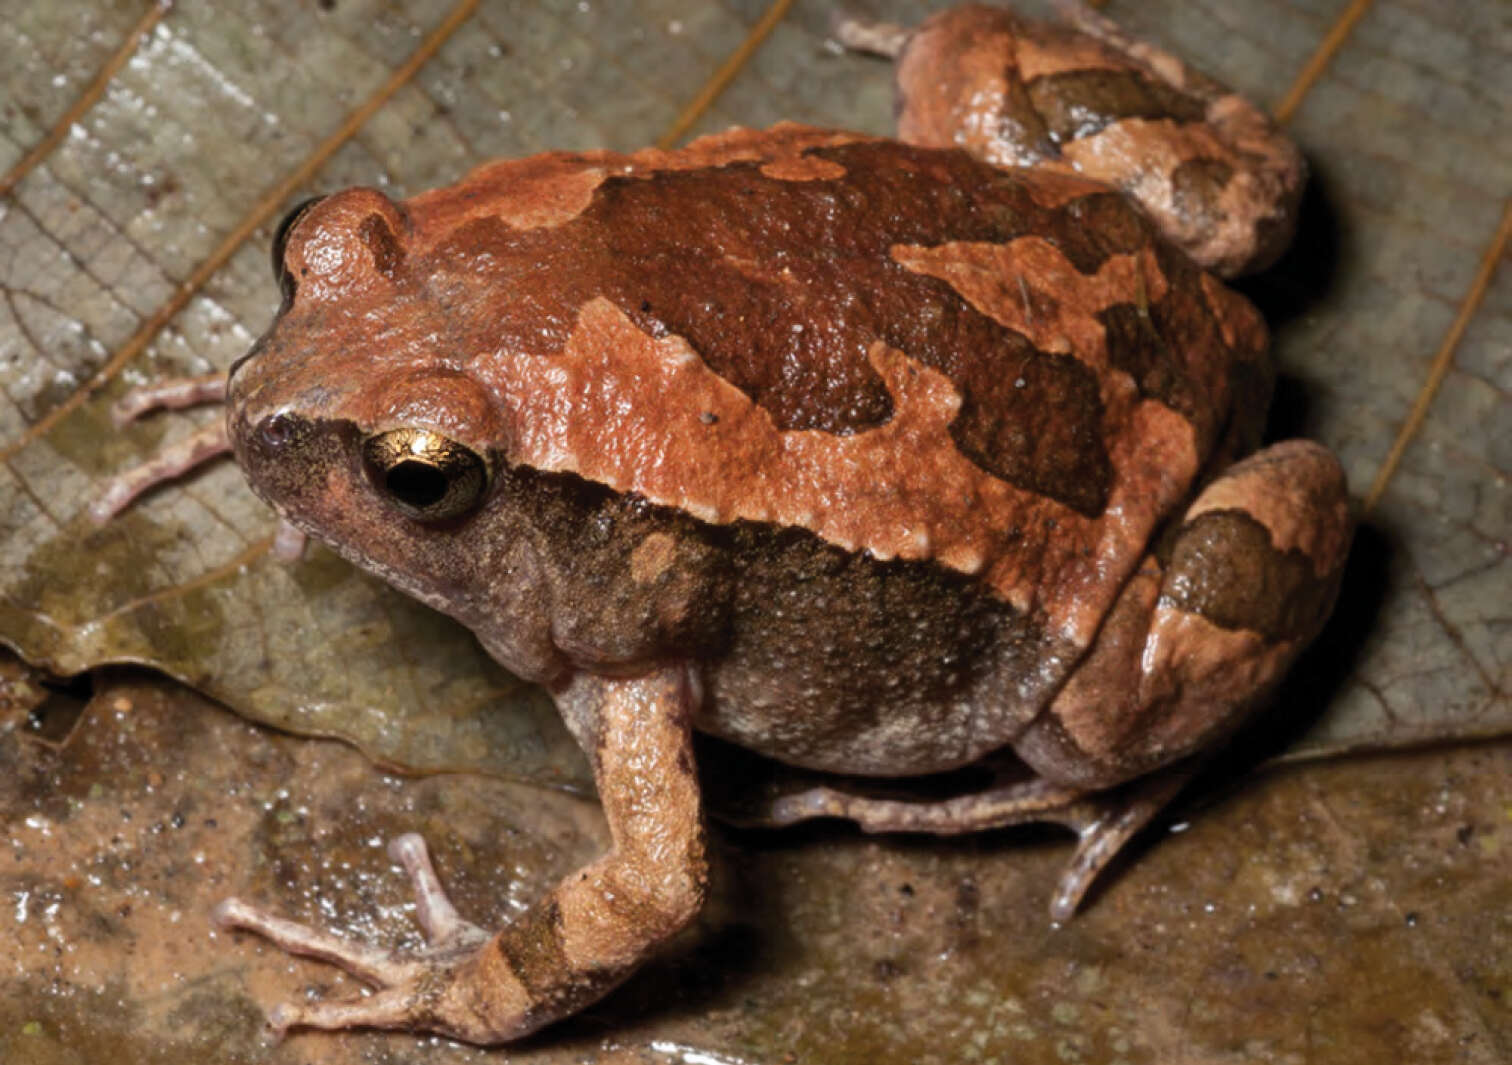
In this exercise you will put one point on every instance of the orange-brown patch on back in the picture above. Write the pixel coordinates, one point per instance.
(1051, 188)
(532, 193)
(740, 145)
(803, 168)
(647, 415)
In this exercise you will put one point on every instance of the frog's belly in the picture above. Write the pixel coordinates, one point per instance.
(842, 663)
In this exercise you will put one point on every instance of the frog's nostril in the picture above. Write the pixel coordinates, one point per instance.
(277, 431)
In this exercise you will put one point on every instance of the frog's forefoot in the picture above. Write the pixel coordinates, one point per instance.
(411, 988)
(176, 459)
(576, 942)
(173, 461)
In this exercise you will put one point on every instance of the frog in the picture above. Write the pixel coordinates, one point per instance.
(879, 459)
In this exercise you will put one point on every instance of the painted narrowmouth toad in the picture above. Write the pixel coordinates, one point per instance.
(873, 457)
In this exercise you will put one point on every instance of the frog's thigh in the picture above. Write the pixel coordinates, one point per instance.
(1193, 645)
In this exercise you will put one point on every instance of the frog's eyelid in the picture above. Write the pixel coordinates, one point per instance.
(281, 243)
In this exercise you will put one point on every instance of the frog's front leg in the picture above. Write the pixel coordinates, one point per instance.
(581, 939)
(1202, 633)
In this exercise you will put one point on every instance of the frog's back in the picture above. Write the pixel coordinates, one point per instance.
(901, 350)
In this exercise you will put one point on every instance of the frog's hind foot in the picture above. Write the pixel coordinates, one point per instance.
(1102, 821)
(1105, 825)
(1082, 16)
(857, 33)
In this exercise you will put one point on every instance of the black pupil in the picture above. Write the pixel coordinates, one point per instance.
(417, 484)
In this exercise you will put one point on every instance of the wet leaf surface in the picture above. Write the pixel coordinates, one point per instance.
(143, 190)
(1355, 911)
(1202, 951)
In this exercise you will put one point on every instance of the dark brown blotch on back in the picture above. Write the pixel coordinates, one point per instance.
(1165, 345)
(1224, 567)
(1038, 425)
(1079, 103)
(1136, 347)
(1091, 228)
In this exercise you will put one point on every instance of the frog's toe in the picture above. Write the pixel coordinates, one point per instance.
(288, 542)
(171, 462)
(175, 394)
(444, 928)
(381, 968)
(1104, 826)
(407, 985)
(392, 1008)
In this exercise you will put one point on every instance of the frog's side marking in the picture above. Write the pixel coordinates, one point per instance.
(648, 415)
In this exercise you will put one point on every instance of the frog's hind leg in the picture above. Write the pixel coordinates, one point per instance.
(1102, 822)
(1203, 631)
(1196, 640)
(1080, 15)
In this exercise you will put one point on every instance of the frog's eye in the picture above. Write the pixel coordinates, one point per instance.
(281, 243)
(426, 475)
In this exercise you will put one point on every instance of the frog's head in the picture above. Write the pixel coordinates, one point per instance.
(355, 416)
